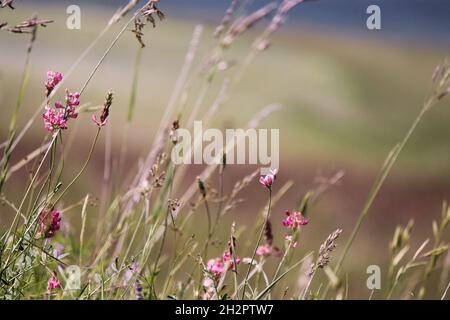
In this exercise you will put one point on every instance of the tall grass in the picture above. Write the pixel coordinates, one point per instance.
(148, 243)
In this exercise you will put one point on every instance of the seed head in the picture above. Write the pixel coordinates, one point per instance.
(30, 25)
(105, 112)
(325, 250)
(146, 15)
(201, 187)
(9, 3)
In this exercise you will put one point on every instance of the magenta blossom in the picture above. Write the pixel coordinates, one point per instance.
(264, 250)
(228, 257)
(53, 79)
(268, 180)
(267, 250)
(216, 266)
(53, 283)
(49, 223)
(72, 98)
(294, 219)
(57, 117)
(54, 119)
(98, 122)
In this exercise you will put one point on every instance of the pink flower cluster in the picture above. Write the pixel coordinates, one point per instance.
(54, 119)
(264, 250)
(216, 266)
(268, 180)
(294, 219)
(53, 283)
(53, 78)
(49, 223)
(57, 117)
(72, 101)
(267, 250)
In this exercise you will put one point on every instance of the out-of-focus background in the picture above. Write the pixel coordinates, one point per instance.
(349, 95)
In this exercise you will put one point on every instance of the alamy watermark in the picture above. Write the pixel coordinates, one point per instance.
(73, 21)
(73, 278)
(374, 280)
(374, 20)
(240, 146)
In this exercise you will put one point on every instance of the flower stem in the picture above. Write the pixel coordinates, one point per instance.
(91, 151)
(261, 232)
(378, 184)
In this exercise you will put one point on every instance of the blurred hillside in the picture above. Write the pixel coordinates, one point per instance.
(348, 97)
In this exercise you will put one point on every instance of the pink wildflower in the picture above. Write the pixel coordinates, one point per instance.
(53, 79)
(53, 283)
(228, 257)
(72, 98)
(264, 250)
(268, 180)
(98, 122)
(217, 266)
(268, 250)
(59, 105)
(294, 219)
(49, 223)
(54, 119)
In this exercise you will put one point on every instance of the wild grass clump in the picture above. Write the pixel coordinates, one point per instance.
(145, 241)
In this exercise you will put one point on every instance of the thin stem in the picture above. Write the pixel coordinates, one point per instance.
(208, 240)
(281, 262)
(131, 107)
(91, 151)
(445, 292)
(377, 186)
(261, 232)
(305, 292)
(113, 43)
(13, 122)
(19, 210)
(208, 215)
(219, 208)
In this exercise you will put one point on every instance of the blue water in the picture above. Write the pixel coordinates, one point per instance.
(401, 19)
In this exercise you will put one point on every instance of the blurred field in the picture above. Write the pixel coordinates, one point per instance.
(347, 100)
